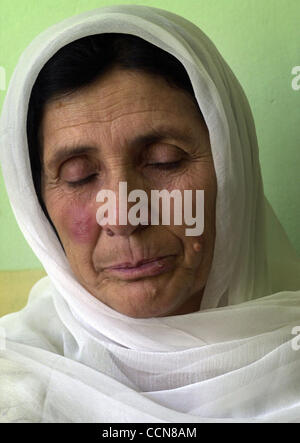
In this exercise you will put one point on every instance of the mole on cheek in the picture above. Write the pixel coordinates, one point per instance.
(197, 246)
(82, 224)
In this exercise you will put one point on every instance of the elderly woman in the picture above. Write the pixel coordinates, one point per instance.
(140, 322)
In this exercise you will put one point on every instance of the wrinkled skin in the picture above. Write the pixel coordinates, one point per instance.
(105, 117)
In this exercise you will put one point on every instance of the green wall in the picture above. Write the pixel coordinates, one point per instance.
(260, 39)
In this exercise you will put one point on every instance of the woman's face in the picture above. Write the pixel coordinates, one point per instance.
(129, 127)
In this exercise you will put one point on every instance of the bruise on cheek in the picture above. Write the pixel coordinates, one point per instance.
(81, 223)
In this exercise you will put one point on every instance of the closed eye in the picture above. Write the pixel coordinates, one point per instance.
(82, 181)
(165, 166)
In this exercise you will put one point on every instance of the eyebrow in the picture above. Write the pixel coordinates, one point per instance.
(65, 152)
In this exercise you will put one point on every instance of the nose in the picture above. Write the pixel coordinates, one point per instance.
(120, 216)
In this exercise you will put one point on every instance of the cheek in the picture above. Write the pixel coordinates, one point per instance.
(80, 224)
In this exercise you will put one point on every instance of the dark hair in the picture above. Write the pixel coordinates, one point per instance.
(80, 63)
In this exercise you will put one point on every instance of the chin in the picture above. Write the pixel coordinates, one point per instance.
(138, 299)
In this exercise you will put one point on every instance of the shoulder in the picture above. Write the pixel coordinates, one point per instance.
(37, 324)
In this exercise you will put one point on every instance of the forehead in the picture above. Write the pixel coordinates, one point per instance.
(122, 99)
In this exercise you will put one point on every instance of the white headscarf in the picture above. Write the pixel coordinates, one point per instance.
(67, 354)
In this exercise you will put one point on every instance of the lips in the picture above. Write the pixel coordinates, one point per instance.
(143, 268)
(134, 265)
